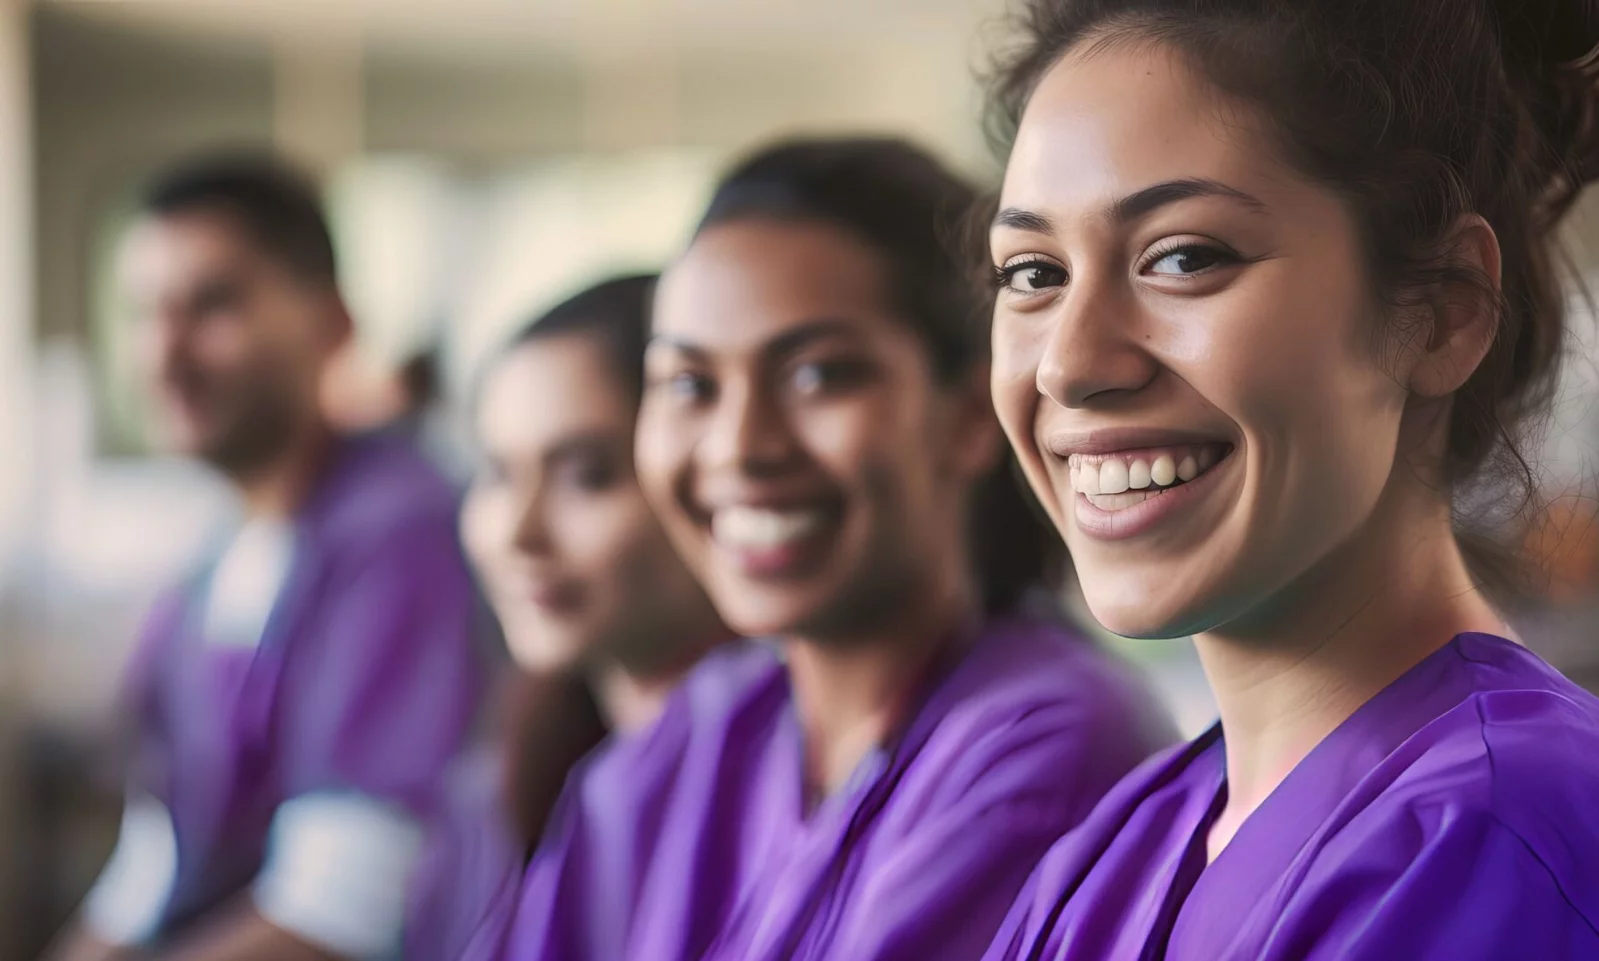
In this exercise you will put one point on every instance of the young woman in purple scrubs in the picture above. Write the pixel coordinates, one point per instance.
(1276, 291)
(876, 779)
(601, 617)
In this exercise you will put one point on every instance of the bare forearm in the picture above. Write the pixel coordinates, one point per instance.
(240, 934)
(77, 944)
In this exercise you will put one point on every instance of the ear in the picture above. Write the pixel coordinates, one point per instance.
(1463, 318)
(341, 326)
(976, 441)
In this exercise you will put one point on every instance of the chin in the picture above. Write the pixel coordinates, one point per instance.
(1144, 608)
(546, 650)
(760, 610)
(755, 619)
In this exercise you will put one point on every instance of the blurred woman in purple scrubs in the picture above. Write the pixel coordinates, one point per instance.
(877, 779)
(601, 617)
(1276, 288)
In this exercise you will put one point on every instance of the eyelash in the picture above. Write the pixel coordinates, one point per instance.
(1222, 256)
(1004, 274)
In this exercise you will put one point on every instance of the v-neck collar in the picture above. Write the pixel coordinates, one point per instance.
(1279, 831)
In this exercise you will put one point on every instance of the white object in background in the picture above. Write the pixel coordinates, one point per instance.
(126, 903)
(338, 866)
(246, 582)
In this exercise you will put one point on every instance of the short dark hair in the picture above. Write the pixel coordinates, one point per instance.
(273, 202)
(915, 214)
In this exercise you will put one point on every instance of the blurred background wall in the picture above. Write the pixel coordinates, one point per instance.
(481, 158)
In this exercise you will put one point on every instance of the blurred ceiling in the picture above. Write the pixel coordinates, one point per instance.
(586, 28)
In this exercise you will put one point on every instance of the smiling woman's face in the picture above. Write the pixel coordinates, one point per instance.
(793, 438)
(1186, 346)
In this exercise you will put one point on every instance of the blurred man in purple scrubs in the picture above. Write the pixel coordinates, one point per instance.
(295, 700)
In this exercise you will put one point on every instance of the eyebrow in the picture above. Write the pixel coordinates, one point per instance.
(586, 443)
(789, 341)
(675, 343)
(1135, 205)
(1152, 198)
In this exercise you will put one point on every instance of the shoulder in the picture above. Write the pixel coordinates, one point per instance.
(1519, 747)
(728, 677)
(1509, 768)
(1037, 712)
(739, 687)
(1540, 744)
(379, 487)
(1044, 675)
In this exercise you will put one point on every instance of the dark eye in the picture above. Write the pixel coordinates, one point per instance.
(1030, 276)
(690, 387)
(822, 376)
(1189, 259)
(218, 297)
(590, 474)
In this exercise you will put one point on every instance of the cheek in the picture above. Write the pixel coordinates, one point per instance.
(1295, 367)
(1280, 351)
(1013, 383)
(604, 538)
(228, 345)
(1017, 343)
(850, 438)
(487, 523)
(662, 449)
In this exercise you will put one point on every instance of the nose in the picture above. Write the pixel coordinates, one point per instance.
(1093, 353)
(749, 433)
(531, 534)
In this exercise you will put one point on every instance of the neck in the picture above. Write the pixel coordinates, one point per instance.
(632, 701)
(278, 488)
(1352, 625)
(853, 694)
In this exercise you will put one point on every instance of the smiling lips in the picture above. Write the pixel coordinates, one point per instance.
(1124, 479)
(770, 541)
(760, 528)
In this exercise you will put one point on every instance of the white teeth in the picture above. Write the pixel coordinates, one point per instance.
(761, 528)
(1113, 476)
(1122, 501)
(1163, 471)
(1088, 479)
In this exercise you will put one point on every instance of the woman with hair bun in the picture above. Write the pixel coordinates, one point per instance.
(1276, 285)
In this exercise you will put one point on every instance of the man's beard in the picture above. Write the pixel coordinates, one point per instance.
(258, 437)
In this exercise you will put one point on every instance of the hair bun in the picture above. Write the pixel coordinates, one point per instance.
(1548, 32)
(1549, 49)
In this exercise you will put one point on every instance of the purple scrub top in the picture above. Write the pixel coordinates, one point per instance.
(693, 839)
(472, 852)
(1453, 817)
(365, 678)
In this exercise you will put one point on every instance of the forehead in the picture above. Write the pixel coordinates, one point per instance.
(741, 284)
(546, 389)
(164, 255)
(1112, 118)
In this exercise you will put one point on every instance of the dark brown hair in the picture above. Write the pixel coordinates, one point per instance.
(912, 212)
(615, 312)
(1417, 112)
(275, 204)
